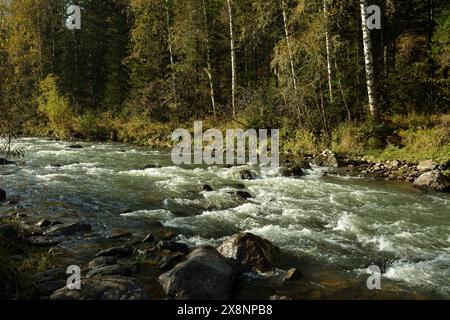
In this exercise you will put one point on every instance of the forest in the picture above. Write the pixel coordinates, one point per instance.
(137, 69)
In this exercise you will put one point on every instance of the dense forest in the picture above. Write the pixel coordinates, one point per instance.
(139, 68)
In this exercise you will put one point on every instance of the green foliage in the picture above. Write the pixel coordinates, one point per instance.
(55, 107)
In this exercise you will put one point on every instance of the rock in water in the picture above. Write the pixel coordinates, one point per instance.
(246, 175)
(205, 275)
(433, 180)
(207, 187)
(2, 195)
(103, 288)
(75, 146)
(6, 162)
(68, 229)
(252, 252)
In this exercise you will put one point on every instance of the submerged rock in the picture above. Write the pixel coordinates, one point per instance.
(68, 229)
(75, 146)
(251, 251)
(243, 194)
(6, 162)
(205, 275)
(433, 180)
(103, 288)
(246, 175)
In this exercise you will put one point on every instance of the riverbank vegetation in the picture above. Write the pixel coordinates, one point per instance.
(138, 69)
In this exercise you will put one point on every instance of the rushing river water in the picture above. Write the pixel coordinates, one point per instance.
(332, 227)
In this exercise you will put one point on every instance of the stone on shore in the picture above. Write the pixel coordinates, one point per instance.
(326, 159)
(434, 181)
(68, 229)
(103, 288)
(427, 165)
(119, 251)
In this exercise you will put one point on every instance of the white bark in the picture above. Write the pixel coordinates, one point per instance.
(288, 44)
(370, 73)
(208, 60)
(169, 45)
(328, 46)
(233, 57)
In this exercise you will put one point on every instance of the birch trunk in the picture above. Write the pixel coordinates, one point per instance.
(208, 60)
(328, 47)
(368, 58)
(169, 45)
(288, 44)
(233, 57)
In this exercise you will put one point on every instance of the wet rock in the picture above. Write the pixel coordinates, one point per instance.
(168, 262)
(68, 229)
(119, 234)
(125, 210)
(148, 238)
(2, 195)
(426, 165)
(102, 261)
(75, 146)
(41, 241)
(243, 194)
(296, 170)
(172, 246)
(150, 166)
(109, 270)
(246, 175)
(43, 223)
(119, 251)
(207, 188)
(205, 275)
(104, 288)
(167, 235)
(326, 159)
(433, 180)
(291, 274)
(251, 251)
(51, 280)
(5, 162)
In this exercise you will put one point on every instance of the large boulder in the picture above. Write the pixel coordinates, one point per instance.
(433, 180)
(103, 288)
(251, 251)
(326, 159)
(205, 275)
(68, 229)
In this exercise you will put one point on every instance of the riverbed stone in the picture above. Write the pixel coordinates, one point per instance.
(113, 269)
(433, 180)
(114, 287)
(205, 275)
(102, 261)
(117, 251)
(68, 229)
(252, 252)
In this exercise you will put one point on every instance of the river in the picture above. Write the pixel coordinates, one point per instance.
(333, 228)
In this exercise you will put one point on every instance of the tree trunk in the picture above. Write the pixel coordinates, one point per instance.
(169, 45)
(328, 46)
(208, 60)
(288, 44)
(368, 58)
(233, 58)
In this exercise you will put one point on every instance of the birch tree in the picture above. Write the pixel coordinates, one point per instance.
(233, 57)
(208, 69)
(288, 44)
(328, 47)
(368, 58)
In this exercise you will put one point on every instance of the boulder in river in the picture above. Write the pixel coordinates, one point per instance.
(246, 175)
(6, 162)
(251, 251)
(295, 170)
(2, 195)
(205, 275)
(75, 146)
(243, 194)
(433, 180)
(207, 188)
(68, 229)
(103, 288)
